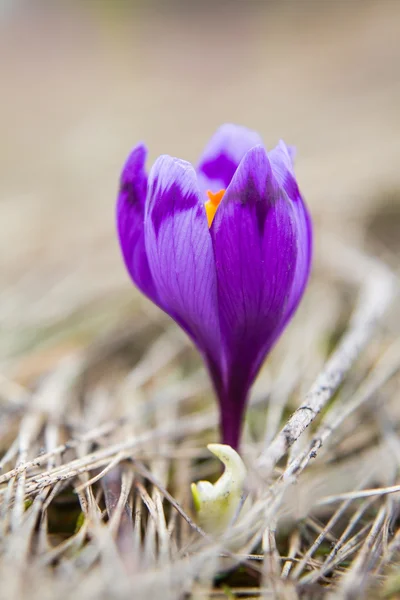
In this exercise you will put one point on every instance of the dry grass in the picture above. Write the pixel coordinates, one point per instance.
(97, 459)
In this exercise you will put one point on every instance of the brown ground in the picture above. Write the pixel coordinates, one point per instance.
(83, 82)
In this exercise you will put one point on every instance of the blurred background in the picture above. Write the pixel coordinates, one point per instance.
(83, 82)
(85, 360)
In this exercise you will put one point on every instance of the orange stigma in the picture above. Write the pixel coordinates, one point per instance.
(212, 204)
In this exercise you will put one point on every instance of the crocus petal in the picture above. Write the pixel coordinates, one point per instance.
(130, 221)
(281, 160)
(303, 260)
(223, 154)
(180, 253)
(256, 243)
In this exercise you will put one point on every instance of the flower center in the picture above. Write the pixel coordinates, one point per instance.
(212, 204)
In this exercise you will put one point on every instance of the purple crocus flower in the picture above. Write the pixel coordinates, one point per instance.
(224, 249)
